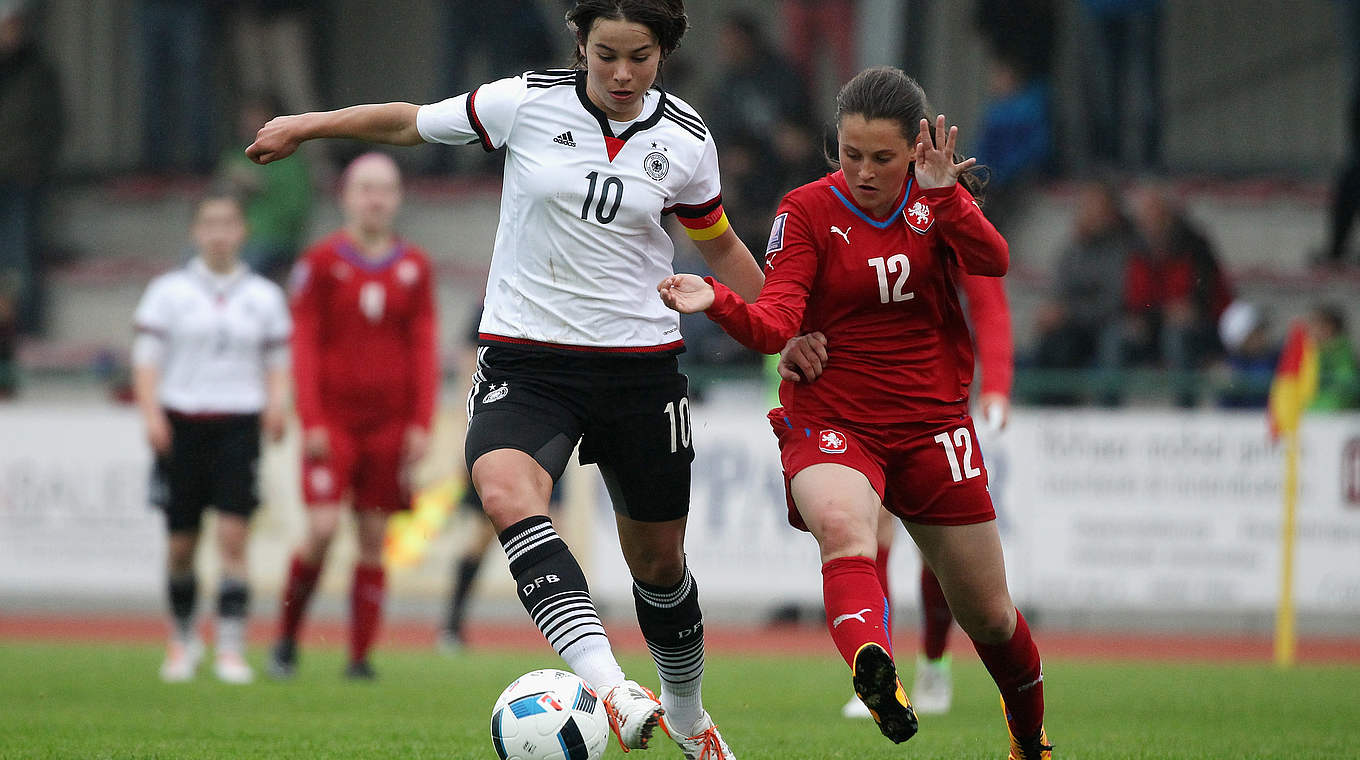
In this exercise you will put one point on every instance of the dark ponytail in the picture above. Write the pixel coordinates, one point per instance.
(665, 18)
(886, 92)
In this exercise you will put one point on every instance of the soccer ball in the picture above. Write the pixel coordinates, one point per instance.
(549, 715)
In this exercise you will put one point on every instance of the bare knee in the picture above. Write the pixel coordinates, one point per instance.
(658, 569)
(994, 625)
(843, 532)
(180, 553)
(511, 493)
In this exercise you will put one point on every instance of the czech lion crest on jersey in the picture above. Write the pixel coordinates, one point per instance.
(918, 216)
(656, 165)
(831, 442)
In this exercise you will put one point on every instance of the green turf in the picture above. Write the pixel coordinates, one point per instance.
(104, 702)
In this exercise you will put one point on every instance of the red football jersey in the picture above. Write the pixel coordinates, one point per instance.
(363, 336)
(883, 291)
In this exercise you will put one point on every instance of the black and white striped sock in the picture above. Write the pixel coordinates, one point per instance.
(673, 626)
(553, 589)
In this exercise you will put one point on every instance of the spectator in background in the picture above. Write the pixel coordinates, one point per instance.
(274, 52)
(31, 123)
(1346, 196)
(178, 103)
(509, 36)
(813, 26)
(1174, 293)
(1338, 374)
(756, 101)
(1078, 324)
(1121, 84)
(1015, 130)
(1249, 357)
(278, 196)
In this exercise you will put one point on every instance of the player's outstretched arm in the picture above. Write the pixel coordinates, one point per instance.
(386, 123)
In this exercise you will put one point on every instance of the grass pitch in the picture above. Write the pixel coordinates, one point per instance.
(104, 702)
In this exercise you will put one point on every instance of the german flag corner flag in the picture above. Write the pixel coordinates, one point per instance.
(1295, 382)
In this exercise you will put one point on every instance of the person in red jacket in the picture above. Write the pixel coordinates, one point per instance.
(366, 374)
(869, 257)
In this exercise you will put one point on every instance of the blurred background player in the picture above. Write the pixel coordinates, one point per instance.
(210, 369)
(366, 372)
(575, 346)
(887, 425)
(932, 691)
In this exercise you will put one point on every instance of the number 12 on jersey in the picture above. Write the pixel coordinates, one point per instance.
(960, 440)
(897, 264)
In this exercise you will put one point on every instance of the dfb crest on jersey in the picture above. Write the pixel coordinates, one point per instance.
(656, 165)
(919, 217)
(831, 442)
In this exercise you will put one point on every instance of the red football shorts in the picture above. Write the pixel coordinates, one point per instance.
(924, 472)
(365, 463)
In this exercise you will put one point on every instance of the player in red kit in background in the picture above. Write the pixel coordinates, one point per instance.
(868, 256)
(366, 376)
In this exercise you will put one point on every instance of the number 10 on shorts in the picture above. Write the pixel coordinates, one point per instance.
(678, 414)
(960, 440)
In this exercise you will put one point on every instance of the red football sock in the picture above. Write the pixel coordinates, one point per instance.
(881, 567)
(855, 608)
(365, 609)
(936, 618)
(1015, 667)
(297, 593)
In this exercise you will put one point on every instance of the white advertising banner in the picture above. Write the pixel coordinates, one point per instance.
(1098, 509)
(73, 508)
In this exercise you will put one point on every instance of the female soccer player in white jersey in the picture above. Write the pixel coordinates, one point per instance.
(575, 346)
(210, 369)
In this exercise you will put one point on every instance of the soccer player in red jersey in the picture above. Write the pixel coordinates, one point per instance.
(869, 257)
(932, 690)
(366, 373)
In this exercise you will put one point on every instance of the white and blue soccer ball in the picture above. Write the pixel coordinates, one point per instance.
(549, 715)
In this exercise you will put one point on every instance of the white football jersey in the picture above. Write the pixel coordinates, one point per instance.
(580, 247)
(212, 336)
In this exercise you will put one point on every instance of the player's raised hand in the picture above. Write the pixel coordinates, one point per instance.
(686, 293)
(935, 165)
(803, 358)
(277, 139)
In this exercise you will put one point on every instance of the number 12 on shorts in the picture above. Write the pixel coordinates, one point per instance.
(960, 440)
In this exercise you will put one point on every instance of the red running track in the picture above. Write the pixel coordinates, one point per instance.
(790, 639)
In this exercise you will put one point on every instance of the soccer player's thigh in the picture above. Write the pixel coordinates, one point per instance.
(327, 480)
(817, 495)
(236, 481)
(379, 481)
(938, 486)
(641, 439)
(186, 476)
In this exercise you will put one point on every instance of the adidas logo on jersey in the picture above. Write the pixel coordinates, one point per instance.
(565, 139)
